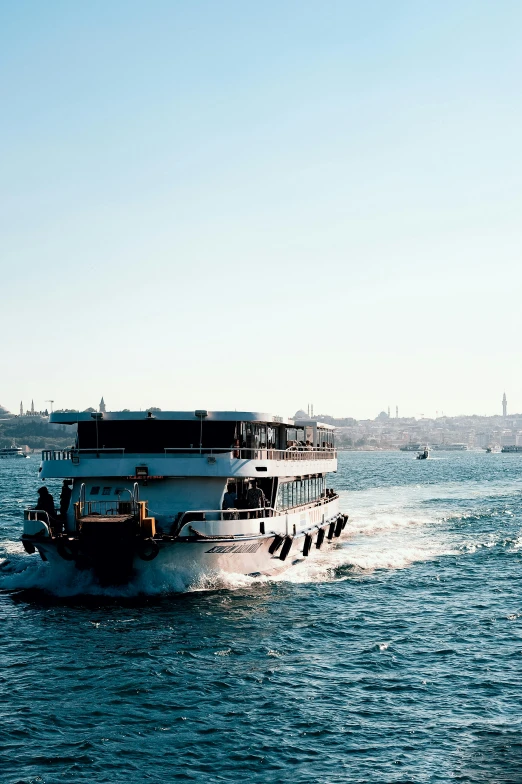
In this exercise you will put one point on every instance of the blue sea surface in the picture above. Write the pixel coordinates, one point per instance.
(394, 656)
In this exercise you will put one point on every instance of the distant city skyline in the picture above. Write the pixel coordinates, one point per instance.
(309, 409)
(240, 205)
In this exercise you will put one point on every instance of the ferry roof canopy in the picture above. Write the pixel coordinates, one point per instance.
(71, 418)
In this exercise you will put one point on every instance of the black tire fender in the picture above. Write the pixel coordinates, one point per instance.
(307, 544)
(286, 548)
(29, 547)
(320, 538)
(276, 544)
(67, 550)
(148, 549)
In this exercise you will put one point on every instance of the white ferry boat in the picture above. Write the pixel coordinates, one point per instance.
(12, 451)
(188, 491)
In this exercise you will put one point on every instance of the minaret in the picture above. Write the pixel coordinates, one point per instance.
(32, 407)
(396, 412)
(21, 408)
(102, 406)
(504, 405)
(312, 410)
(388, 412)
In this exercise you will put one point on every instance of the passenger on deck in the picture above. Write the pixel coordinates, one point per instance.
(256, 499)
(230, 502)
(230, 498)
(65, 498)
(45, 503)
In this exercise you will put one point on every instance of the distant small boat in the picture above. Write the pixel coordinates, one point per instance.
(424, 454)
(488, 449)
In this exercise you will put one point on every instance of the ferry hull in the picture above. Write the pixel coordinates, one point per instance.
(257, 555)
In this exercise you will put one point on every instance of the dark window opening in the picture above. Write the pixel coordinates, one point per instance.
(155, 435)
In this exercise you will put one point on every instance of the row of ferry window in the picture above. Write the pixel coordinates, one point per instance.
(300, 491)
(95, 490)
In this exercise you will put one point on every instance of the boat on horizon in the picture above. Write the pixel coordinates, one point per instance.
(193, 492)
(449, 447)
(12, 451)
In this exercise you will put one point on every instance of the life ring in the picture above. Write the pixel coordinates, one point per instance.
(67, 550)
(148, 549)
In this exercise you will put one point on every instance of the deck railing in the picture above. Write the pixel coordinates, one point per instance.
(238, 453)
(195, 515)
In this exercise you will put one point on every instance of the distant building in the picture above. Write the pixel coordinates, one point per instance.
(103, 408)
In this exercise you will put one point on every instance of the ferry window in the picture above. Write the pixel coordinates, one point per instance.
(300, 434)
(279, 504)
(272, 440)
(291, 434)
(95, 490)
(299, 496)
(106, 491)
(285, 496)
(118, 490)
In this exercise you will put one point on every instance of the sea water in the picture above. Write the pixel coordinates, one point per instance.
(394, 656)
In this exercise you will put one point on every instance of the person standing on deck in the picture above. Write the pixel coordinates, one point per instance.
(256, 499)
(45, 503)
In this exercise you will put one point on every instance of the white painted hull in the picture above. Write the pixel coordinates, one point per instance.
(248, 555)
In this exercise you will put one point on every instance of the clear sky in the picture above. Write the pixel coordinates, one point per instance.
(259, 205)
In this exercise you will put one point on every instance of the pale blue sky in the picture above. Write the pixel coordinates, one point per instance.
(257, 205)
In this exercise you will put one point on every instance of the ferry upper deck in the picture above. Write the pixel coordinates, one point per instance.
(191, 443)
